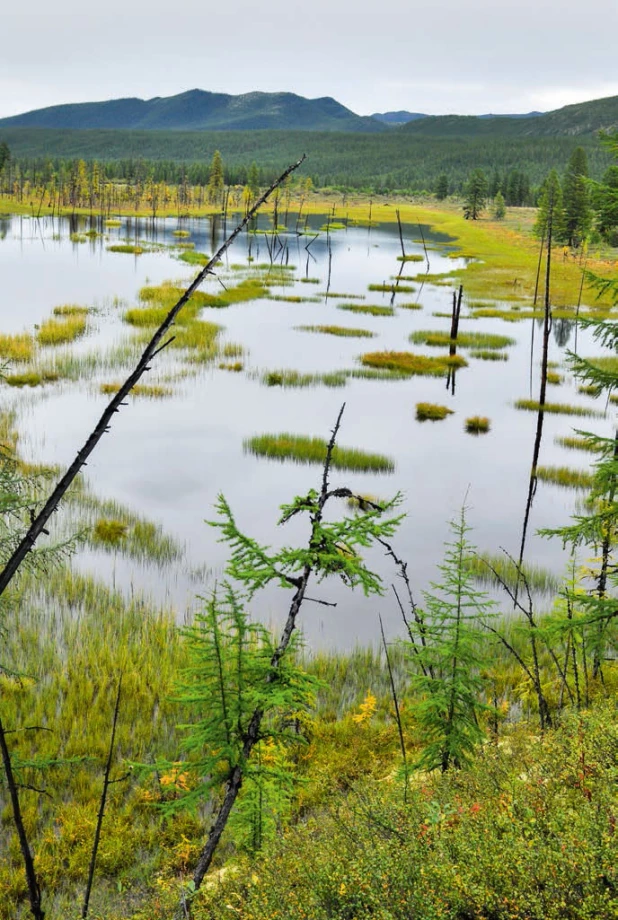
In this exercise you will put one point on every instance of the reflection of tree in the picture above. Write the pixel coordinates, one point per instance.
(562, 331)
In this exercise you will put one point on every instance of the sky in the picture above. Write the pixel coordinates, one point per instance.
(440, 57)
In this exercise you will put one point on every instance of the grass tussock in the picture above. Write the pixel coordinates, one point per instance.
(410, 306)
(313, 450)
(181, 234)
(234, 366)
(341, 331)
(70, 309)
(481, 340)
(573, 442)
(153, 391)
(191, 257)
(411, 364)
(130, 248)
(61, 331)
(294, 379)
(293, 298)
(19, 347)
(565, 476)
(532, 405)
(554, 378)
(339, 296)
(392, 288)
(368, 309)
(112, 222)
(31, 378)
(484, 355)
(412, 257)
(431, 412)
(477, 424)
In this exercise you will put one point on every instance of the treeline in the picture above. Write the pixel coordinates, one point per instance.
(371, 163)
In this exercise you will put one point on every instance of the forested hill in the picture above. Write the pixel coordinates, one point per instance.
(570, 121)
(197, 110)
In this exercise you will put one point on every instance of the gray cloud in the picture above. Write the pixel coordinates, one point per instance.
(451, 56)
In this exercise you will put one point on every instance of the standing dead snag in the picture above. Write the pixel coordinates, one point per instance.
(155, 345)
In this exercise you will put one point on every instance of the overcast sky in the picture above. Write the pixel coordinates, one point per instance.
(461, 56)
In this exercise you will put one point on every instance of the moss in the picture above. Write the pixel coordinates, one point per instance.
(477, 424)
(313, 450)
(431, 412)
(411, 364)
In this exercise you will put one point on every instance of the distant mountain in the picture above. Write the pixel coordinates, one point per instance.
(571, 120)
(397, 118)
(511, 115)
(197, 110)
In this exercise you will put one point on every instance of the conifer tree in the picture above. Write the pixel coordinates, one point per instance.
(442, 187)
(449, 683)
(475, 195)
(216, 179)
(499, 207)
(576, 199)
(550, 203)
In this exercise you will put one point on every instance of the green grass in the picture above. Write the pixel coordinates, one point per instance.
(234, 366)
(293, 298)
(608, 363)
(109, 532)
(294, 379)
(484, 340)
(431, 412)
(509, 316)
(411, 364)
(410, 306)
(19, 347)
(572, 442)
(565, 476)
(153, 391)
(392, 288)
(587, 389)
(554, 378)
(61, 331)
(232, 350)
(477, 424)
(191, 257)
(539, 579)
(484, 355)
(31, 378)
(342, 331)
(113, 223)
(183, 234)
(309, 280)
(313, 450)
(414, 257)
(532, 405)
(340, 296)
(368, 309)
(131, 248)
(78, 238)
(70, 309)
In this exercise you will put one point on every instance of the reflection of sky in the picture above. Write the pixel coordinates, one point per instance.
(168, 460)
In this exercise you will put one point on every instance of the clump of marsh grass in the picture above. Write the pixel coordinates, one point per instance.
(509, 316)
(484, 355)
(235, 366)
(31, 378)
(565, 476)
(392, 288)
(532, 405)
(588, 389)
(191, 257)
(293, 298)
(483, 340)
(181, 234)
(290, 378)
(431, 412)
(411, 364)
(339, 296)
(313, 450)
(110, 532)
(505, 570)
(309, 280)
(554, 378)
(232, 350)
(369, 309)
(153, 391)
(362, 502)
(477, 424)
(78, 238)
(113, 223)
(411, 306)
(19, 347)
(70, 309)
(412, 257)
(132, 248)
(343, 331)
(60, 331)
(572, 442)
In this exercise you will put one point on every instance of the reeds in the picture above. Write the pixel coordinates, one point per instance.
(70, 309)
(565, 476)
(484, 355)
(131, 248)
(505, 570)
(61, 331)
(431, 412)
(411, 364)
(19, 347)
(313, 450)
(577, 443)
(294, 379)
(31, 378)
(342, 331)
(554, 378)
(410, 306)
(412, 257)
(154, 391)
(532, 405)
(477, 424)
(392, 288)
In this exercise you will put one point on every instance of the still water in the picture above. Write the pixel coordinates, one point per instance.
(168, 459)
